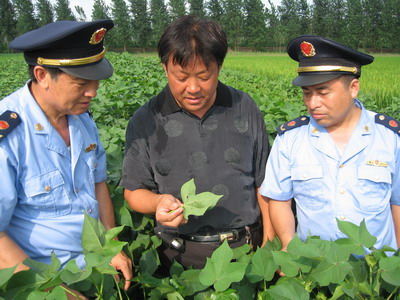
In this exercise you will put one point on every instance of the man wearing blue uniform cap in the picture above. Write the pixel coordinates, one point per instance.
(340, 162)
(53, 166)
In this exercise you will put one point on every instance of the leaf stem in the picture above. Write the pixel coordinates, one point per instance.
(118, 288)
(69, 291)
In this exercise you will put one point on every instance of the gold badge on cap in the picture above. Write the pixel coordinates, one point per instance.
(307, 49)
(97, 36)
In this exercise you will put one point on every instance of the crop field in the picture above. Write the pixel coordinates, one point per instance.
(241, 274)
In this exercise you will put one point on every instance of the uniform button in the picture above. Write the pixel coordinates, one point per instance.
(342, 191)
(76, 190)
(95, 165)
(47, 188)
(341, 166)
(90, 211)
(342, 218)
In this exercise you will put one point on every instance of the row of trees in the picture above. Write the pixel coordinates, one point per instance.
(366, 24)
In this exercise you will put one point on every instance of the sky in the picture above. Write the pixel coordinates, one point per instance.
(88, 4)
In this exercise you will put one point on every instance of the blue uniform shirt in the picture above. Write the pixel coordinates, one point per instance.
(362, 183)
(46, 186)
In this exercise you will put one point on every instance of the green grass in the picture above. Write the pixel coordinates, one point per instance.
(380, 80)
(258, 74)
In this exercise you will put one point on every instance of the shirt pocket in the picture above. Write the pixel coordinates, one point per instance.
(46, 195)
(374, 188)
(308, 186)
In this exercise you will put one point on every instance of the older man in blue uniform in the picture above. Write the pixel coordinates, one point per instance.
(53, 166)
(340, 162)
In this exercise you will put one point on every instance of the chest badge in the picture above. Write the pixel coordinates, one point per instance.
(91, 147)
(376, 163)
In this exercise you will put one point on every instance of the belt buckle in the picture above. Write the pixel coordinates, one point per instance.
(230, 236)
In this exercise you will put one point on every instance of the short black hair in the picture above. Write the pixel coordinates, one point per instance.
(54, 72)
(190, 36)
(348, 78)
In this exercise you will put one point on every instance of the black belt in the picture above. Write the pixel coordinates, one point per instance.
(230, 235)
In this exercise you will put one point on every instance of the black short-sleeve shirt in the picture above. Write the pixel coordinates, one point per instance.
(225, 152)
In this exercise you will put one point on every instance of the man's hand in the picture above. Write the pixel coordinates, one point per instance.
(169, 211)
(121, 262)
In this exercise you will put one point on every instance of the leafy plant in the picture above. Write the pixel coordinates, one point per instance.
(196, 204)
(44, 281)
(315, 269)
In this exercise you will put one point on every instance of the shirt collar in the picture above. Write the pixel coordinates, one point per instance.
(166, 104)
(37, 119)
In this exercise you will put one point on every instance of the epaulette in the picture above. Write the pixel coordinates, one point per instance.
(388, 122)
(300, 121)
(8, 121)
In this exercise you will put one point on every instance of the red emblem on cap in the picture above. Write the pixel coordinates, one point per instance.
(393, 123)
(4, 125)
(307, 49)
(98, 36)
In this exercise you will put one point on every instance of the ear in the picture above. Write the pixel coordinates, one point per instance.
(165, 69)
(354, 87)
(42, 76)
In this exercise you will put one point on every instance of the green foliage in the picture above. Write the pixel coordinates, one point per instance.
(315, 269)
(26, 19)
(196, 204)
(63, 11)
(45, 13)
(44, 281)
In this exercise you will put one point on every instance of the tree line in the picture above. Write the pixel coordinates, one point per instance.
(372, 25)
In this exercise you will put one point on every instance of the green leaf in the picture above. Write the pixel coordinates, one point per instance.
(188, 189)
(100, 263)
(298, 247)
(23, 282)
(358, 234)
(262, 266)
(220, 271)
(147, 280)
(240, 253)
(93, 235)
(57, 293)
(334, 267)
(72, 273)
(113, 232)
(326, 273)
(190, 280)
(196, 204)
(391, 269)
(176, 269)
(174, 296)
(288, 290)
(149, 262)
(287, 262)
(6, 274)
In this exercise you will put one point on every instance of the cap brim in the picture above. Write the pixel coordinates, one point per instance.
(308, 80)
(98, 71)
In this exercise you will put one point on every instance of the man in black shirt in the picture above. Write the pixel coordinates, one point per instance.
(199, 128)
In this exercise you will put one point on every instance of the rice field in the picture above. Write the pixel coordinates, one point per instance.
(380, 81)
